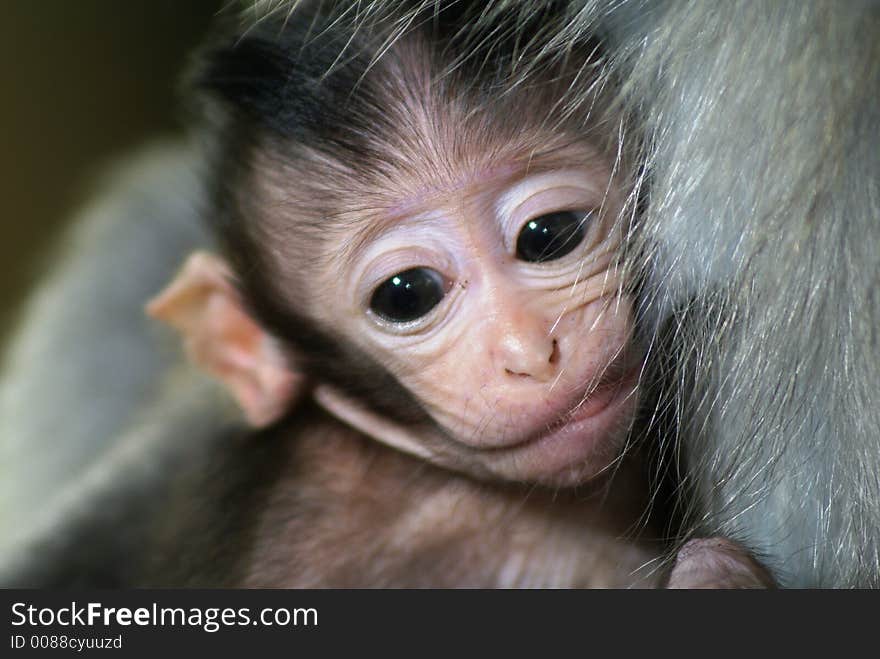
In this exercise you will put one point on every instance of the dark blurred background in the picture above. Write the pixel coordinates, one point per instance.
(83, 83)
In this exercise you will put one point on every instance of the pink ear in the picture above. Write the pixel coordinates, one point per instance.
(222, 339)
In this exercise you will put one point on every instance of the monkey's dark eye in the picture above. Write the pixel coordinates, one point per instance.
(551, 236)
(408, 295)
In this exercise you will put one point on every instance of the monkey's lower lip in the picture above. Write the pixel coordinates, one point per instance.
(584, 442)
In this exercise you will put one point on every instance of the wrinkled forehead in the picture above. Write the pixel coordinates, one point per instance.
(324, 203)
(466, 191)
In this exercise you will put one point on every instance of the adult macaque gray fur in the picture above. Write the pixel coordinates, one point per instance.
(761, 241)
(764, 259)
(758, 241)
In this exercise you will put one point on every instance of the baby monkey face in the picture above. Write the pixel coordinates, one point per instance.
(495, 299)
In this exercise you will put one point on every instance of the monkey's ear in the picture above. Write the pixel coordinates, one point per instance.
(221, 338)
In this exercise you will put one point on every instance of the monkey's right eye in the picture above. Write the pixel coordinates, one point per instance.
(408, 295)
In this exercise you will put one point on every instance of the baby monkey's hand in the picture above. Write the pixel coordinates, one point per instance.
(717, 563)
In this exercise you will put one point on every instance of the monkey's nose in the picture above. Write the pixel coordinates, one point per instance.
(533, 356)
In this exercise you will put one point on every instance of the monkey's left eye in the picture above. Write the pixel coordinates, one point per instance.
(408, 295)
(551, 236)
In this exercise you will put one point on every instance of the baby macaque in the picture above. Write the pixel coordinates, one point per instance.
(430, 254)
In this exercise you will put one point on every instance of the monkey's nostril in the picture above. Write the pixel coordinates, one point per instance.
(554, 353)
(522, 375)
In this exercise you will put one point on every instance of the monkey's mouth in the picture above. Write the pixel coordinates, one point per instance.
(583, 441)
